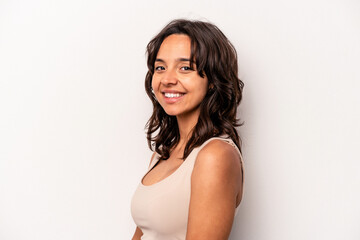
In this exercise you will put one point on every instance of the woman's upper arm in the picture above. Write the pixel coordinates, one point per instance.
(215, 184)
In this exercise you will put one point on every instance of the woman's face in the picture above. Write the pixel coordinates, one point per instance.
(178, 88)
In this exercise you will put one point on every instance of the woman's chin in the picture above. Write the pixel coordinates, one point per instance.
(171, 112)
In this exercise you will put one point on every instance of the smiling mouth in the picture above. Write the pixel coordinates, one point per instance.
(173, 95)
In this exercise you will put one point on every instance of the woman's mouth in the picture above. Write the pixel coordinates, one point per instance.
(173, 95)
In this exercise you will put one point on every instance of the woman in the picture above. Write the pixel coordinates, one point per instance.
(195, 179)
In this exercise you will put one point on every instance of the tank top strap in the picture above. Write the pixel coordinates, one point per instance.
(154, 160)
(195, 151)
(225, 139)
(231, 142)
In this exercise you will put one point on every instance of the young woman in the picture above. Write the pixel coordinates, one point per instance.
(194, 183)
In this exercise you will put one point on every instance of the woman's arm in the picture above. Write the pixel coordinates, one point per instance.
(137, 235)
(215, 187)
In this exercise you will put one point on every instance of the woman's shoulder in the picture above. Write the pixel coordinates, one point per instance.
(218, 154)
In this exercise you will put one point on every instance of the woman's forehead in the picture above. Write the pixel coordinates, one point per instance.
(175, 46)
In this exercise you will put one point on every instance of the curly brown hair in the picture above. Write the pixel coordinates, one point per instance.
(214, 57)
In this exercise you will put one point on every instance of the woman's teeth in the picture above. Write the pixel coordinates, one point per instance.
(172, 95)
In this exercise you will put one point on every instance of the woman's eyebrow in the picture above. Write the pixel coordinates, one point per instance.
(183, 59)
(178, 60)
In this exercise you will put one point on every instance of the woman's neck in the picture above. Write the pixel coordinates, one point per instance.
(186, 126)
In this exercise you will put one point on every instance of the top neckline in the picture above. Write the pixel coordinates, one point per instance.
(156, 158)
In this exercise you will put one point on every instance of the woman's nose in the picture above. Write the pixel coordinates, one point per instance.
(169, 77)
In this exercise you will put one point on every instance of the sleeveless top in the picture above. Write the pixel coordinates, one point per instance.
(161, 210)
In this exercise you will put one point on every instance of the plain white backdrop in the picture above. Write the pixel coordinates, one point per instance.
(73, 109)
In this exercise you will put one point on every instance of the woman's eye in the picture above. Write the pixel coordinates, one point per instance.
(159, 68)
(186, 68)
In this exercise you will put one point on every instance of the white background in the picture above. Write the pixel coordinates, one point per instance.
(73, 110)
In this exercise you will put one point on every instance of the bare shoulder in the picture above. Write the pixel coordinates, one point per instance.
(215, 187)
(218, 163)
(220, 155)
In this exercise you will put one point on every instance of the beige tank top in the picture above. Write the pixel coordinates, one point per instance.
(161, 209)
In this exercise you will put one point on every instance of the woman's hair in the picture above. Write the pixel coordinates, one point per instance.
(216, 58)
